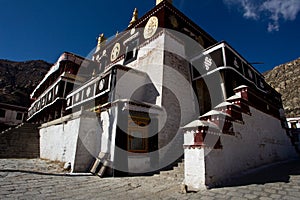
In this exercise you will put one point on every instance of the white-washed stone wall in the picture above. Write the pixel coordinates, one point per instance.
(177, 101)
(194, 175)
(58, 142)
(150, 60)
(78, 140)
(261, 140)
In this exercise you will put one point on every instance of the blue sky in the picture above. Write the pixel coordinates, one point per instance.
(265, 31)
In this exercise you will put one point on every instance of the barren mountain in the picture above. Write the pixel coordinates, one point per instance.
(285, 79)
(18, 79)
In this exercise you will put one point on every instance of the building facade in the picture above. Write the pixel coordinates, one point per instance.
(129, 105)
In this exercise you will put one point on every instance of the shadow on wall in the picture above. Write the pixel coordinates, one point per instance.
(278, 172)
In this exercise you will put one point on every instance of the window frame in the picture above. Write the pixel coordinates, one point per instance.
(131, 48)
(17, 116)
(137, 128)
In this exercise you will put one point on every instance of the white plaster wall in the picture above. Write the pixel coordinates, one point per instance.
(189, 137)
(113, 123)
(58, 142)
(77, 141)
(131, 85)
(173, 42)
(261, 140)
(176, 77)
(105, 141)
(150, 60)
(194, 172)
(177, 100)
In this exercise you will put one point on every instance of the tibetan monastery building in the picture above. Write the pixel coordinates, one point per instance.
(160, 91)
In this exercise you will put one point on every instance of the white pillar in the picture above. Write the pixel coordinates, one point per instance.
(194, 169)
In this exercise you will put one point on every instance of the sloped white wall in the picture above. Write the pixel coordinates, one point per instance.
(261, 140)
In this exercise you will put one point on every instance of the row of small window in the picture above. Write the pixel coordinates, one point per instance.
(19, 116)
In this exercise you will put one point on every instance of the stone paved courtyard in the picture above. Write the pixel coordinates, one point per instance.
(41, 179)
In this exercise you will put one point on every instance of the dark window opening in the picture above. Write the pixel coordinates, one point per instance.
(203, 96)
(2, 113)
(19, 116)
(131, 52)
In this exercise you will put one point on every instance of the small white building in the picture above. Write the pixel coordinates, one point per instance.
(11, 115)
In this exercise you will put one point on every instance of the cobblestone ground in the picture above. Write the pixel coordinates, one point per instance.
(40, 179)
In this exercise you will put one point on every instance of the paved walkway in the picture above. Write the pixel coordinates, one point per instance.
(40, 179)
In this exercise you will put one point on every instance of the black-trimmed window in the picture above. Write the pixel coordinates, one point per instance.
(131, 51)
(19, 116)
(2, 113)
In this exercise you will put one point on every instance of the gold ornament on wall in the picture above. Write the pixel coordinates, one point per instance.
(115, 52)
(151, 27)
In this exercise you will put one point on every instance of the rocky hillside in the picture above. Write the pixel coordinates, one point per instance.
(285, 79)
(18, 79)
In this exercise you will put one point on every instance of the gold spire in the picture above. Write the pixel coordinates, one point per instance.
(158, 1)
(134, 17)
(101, 40)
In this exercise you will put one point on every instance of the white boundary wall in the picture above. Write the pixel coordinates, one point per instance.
(260, 141)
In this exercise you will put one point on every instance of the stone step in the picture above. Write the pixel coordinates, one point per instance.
(176, 173)
(181, 164)
(179, 169)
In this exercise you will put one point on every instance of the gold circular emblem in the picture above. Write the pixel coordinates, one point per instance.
(151, 27)
(115, 52)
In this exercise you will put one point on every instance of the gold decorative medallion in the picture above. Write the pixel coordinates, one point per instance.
(115, 52)
(151, 27)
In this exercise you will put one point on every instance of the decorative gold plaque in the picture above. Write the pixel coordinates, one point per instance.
(151, 27)
(115, 52)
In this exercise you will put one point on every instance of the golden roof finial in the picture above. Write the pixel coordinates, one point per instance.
(134, 17)
(101, 40)
(158, 1)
